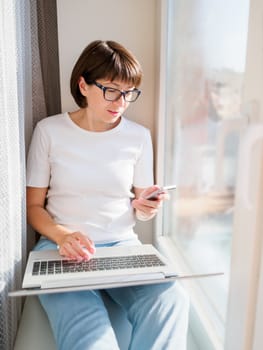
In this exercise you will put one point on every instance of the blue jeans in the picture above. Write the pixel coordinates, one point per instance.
(79, 320)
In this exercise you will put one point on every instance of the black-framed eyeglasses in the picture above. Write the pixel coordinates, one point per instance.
(112, 94)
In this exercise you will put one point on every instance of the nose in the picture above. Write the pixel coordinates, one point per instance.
(121, 101)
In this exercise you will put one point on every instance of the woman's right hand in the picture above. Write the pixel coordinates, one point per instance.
(76, 246)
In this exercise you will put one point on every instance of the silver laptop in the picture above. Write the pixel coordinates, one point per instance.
(48, 272)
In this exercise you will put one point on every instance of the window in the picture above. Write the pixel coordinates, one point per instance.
(205, 63)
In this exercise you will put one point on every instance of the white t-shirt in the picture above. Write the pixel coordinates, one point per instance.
(90, 175)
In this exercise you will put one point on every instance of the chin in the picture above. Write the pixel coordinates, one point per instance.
(114, 120)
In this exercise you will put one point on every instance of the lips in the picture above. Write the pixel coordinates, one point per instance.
(114, 113)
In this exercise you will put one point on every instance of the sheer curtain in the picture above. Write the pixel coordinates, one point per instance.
(13, 96)
(25, 54)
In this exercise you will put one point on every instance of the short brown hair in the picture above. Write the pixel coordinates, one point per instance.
(104, 59)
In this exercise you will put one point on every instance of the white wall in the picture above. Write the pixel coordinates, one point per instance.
(130, 22)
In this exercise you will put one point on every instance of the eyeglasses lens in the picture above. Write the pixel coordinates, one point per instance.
(114, 95)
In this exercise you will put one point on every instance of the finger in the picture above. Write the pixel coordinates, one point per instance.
(80, 251)
(139, 204)
(164, 196)
(85, 242)
(72, 248)
(146, 209)
(150, 203)
(67, 252)
(77, 250)
(149, 190)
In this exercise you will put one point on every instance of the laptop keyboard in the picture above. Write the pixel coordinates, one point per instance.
(51, 267)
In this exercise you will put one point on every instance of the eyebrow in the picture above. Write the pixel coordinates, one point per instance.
(117, 85)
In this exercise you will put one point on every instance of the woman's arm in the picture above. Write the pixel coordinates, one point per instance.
(71, 244)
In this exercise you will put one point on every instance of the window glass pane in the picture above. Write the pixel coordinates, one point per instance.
(205, 71)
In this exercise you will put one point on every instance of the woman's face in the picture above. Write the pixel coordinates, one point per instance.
(101, 110)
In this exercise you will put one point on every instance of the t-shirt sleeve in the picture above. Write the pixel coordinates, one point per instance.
(143, 172)
(38, 167)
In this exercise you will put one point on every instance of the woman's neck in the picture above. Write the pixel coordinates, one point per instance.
(84, 121)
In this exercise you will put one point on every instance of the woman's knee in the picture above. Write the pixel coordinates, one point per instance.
(79, 320)
(180, 296)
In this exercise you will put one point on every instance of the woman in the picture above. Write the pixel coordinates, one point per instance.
(88, 173)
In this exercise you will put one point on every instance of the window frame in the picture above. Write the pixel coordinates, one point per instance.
(200, 328)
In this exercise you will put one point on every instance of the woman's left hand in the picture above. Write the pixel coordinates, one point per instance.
(148, 208)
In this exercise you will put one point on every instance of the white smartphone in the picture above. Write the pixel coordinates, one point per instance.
(154, 195)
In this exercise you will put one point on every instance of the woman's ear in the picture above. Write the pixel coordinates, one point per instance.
(83, 86)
